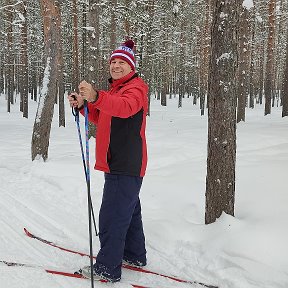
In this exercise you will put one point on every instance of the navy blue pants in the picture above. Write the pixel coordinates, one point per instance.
(120, 225)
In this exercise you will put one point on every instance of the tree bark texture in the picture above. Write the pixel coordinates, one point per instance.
(284, 92)
(242, 83)
(261, 65)
(1, 72)
(60, 82)
(24, 63)
(10, 57)
(84, 69)
(113, 25)
(220, 180)
(252, 94)
(93, 72)
(126, 21)
(45, 110)
(147, 61)
(182, 61)
(75, 63)
(268, 85)
(205, 51)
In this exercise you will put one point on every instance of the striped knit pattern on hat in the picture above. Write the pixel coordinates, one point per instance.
(126, 53)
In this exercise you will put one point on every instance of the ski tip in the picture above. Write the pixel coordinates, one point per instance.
(27, 232)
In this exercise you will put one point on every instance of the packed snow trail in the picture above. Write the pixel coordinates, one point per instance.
(125, 266)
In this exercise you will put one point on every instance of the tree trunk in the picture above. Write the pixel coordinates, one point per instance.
(279, 65)
(75, 57)
(84, 69)
(182, 62)
(93, 40)
(93, 51)
(242, 73)
(261, 66)
(24, 63)
(45, 110)
(284, 92)
(126, 20)
(60, 82)
(164, 79)
(113, 25)
(268, 85)
(220, 180)
(252, 63)
(1, 71)
(10, 58)
(204, 58)
(148, 62)
(34, 86)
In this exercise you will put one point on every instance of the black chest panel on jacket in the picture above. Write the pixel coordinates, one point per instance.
(125, 148)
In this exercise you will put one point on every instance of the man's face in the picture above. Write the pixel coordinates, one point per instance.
(119, 68)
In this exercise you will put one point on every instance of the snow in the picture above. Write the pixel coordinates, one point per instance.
(223, 15)
(223, 56)
(49, 199)
(21, 16)
(89, 28)
(248, 4)
(44, 89)
(11, 5)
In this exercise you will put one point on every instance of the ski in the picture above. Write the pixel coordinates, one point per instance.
(125, 266)
(60, 273)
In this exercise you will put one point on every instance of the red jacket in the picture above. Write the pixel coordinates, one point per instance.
(120, 117)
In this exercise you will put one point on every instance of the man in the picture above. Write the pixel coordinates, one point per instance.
(120, 116)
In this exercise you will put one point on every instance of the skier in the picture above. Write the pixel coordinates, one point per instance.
(120, 117)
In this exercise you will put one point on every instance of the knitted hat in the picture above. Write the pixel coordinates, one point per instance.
(126, 53)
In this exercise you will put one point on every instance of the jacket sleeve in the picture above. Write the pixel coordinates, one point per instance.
(121, 104)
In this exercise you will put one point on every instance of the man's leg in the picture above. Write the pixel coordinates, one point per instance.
(120, 197)
(135, 251)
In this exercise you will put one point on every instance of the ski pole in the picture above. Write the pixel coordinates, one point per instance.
(89, 191)
(75, 113)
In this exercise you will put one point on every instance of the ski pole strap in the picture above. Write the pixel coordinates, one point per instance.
(75, 112)
(81, 144)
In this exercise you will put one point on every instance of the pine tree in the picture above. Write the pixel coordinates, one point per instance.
(45, 110)
(220, 180)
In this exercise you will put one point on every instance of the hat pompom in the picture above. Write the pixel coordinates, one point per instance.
(129, 43)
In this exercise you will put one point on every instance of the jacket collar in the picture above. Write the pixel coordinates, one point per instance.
(123, 80)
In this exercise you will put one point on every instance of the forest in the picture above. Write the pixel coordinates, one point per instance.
(227, 56)
(214, 198)
(173, 41)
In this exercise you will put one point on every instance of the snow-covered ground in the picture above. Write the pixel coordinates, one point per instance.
(50, 199)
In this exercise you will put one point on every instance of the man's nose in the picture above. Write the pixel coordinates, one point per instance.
(116, 64)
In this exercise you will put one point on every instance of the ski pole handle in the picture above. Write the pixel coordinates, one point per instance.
(75, 110)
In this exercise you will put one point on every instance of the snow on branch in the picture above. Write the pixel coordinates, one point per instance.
(248, 4)
(11, 5)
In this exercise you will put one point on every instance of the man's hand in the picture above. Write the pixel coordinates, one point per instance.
(87, 92)
(75, 100)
